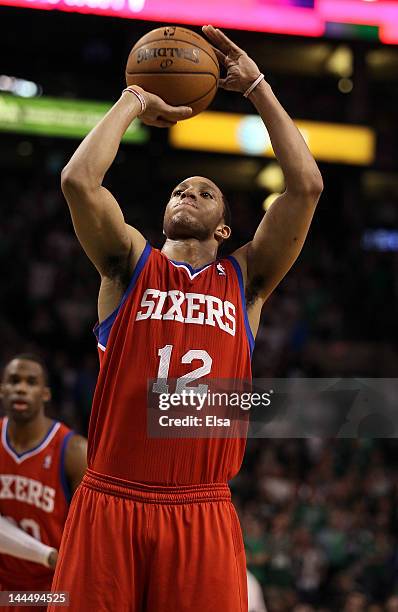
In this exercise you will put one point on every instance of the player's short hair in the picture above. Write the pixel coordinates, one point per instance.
(31, 357)
(227, 211)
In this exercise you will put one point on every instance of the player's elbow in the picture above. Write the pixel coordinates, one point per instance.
(309, 189)
(69, 177)
(73, 180)
(313, 185)
(317, 185)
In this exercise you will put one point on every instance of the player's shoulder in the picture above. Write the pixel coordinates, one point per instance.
(240, 257)
(71, 439)
(139, 247)
(75, 441)
(66, 439)
(62, 428)
(75, 447)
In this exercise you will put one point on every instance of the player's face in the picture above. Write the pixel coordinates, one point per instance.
(23, 390)
(195, 210)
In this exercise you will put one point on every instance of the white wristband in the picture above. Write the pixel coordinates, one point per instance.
(139, 96)
(253, 85)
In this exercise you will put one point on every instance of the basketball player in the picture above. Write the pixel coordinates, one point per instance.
(152, 527)
(41, 463)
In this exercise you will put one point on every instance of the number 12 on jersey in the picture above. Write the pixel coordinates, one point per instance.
(161, 384)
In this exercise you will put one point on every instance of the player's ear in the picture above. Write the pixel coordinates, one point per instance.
(46, 394)
(1, 391)
(222, 232)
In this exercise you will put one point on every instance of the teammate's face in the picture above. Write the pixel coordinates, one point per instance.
(195, 210)
(24, 390)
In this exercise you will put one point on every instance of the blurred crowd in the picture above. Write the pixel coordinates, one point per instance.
(319, 517)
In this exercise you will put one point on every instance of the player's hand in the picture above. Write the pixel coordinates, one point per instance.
(52, 559)
(242, 71)
(160, 114)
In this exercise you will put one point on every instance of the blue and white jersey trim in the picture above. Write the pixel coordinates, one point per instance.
(103, 329)
(238, 271)
(192, 272)
(20, 457)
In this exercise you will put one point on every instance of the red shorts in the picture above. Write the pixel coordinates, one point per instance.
(132, 547)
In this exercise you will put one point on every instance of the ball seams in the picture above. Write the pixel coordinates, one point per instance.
(167, 40)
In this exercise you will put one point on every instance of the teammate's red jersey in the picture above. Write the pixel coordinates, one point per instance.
(35, 495)
(172, 321)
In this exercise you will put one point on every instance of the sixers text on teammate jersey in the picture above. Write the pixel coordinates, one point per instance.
(41, 463)
(164, 535)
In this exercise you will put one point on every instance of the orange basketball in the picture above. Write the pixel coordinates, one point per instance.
(176, 64)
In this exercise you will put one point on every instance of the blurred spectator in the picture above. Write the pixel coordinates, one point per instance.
(355, 602)
(308, 565)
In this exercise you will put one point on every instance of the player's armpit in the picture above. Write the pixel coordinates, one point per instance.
(254, 302)
(100, 226)
(75, 460)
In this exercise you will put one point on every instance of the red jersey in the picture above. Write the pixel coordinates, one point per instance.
(173, 321)
(34, 494)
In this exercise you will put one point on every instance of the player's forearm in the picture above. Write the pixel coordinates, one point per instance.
(15, 542)
(298, 165)
(94, 156)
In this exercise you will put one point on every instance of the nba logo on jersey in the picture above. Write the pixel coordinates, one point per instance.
(47, 462)
(221, 270)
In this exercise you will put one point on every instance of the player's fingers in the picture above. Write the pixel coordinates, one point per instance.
(176, 113)
(223, 83)
(228, 83)
(220, 56)
(221, 40)
(214, 38)
(157, 121)
(228, 42)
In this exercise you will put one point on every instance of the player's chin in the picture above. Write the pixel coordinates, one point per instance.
(184, 225)
(21, 416)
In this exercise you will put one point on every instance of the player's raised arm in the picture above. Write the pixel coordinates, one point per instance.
(282, 232)
(97, 218)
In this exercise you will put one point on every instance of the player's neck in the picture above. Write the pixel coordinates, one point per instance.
(24, 436)
(196, 253)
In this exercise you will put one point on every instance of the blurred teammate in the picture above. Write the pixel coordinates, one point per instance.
(41, 463)
(163, 534)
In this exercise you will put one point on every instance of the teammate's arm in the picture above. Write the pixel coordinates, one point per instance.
(283, 229)
(97, 218)
(75, 460)
(17, 543)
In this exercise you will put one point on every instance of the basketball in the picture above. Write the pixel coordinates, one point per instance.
(176, 64)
